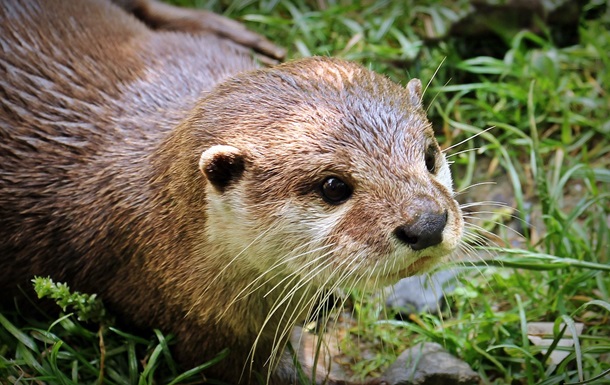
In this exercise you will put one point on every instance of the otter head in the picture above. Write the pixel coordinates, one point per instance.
(322, 170)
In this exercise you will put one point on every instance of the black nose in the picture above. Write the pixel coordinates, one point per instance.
(423, 232)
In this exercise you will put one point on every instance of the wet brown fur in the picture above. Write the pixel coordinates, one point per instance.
(102, 125)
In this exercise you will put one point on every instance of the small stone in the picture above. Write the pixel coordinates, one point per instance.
(429, 364)
(425, 293)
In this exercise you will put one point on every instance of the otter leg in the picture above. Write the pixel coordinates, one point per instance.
(160, 16)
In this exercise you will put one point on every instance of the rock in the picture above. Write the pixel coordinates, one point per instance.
(429, 364)
(483, 18)
(421, 293)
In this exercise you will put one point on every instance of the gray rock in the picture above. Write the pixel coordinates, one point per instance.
(429, 364)
(422, 293)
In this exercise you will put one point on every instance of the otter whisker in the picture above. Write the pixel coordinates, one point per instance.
(288, 293)
(477, 240)
(311, 262)
(344, 275)
(361, 299)
(479, 215)
(306, 301)
(498, 224)
(466, 151)
(335, 283)
(481, 232)
(438, 67)
(474, 185)
(269, 278)
(468, 139)
(225, 268)
(486, 203)
(310, 274)
(282, 297)
(345, 280)
(470, 251)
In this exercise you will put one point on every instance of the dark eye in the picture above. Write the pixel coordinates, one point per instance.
(335, 191)
(431, 154)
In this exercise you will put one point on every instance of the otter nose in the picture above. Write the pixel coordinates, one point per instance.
(425, 231)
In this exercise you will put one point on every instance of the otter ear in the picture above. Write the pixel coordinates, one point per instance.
(415, 95)
(222, 165)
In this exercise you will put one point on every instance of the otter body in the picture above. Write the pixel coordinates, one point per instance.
(199, 194)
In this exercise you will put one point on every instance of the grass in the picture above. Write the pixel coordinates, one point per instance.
(550, 141)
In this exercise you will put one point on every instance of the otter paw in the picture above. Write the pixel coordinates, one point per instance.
(161, 16)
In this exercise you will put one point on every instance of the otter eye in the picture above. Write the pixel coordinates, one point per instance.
(430, 158)
(335, 191)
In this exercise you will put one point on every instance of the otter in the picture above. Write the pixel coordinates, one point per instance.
(200, 193)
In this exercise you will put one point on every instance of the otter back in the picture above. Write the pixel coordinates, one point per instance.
(85, 89)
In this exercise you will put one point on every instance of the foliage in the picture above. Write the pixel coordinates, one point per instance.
(86, 306)
(68, 351)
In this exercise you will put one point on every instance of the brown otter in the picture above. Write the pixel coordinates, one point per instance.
(200, 194)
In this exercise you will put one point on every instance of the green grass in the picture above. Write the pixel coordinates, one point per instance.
(548, 107)
(71, 351)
